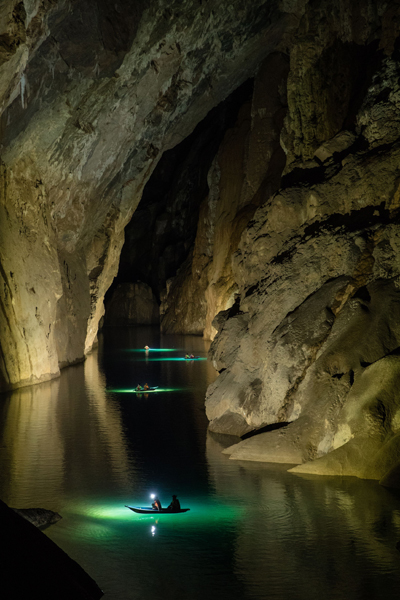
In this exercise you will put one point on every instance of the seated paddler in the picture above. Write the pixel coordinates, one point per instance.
(175, 504)
(157, 503)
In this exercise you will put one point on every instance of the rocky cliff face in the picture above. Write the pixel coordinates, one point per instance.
(314, 342)
(161, 233)
(92, 93)
(246, 167)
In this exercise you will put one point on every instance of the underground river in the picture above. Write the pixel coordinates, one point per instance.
(85, 447)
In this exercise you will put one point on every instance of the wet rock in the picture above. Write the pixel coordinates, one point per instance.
(40, 517)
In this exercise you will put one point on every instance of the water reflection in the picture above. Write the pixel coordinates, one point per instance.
(253, 532)
(311, 535)
(58, 435)
(29, 459)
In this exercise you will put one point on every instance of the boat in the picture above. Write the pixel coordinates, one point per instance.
(192, 357)
(147, 510)
(151, 389)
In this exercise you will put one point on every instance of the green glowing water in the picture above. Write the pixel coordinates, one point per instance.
(134, 391)
(171, 359)
(254, 532)
(152, 350)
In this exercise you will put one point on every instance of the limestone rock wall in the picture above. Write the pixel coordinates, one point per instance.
(91, 95)
(161, 233)
(314, 342)
(247, 166)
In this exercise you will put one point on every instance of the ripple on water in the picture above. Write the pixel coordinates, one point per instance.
(254, 531)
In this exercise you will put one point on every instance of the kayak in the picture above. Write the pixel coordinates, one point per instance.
(151, 511)
(151, 389)
(192, 358)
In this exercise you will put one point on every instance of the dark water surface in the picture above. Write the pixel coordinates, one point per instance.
(254, 531)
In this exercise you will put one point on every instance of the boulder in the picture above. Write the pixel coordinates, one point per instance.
(40, 517)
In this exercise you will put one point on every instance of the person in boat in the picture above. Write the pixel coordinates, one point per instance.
(146, 386)
(192, 356)
(175, 504)
(157, 504)
(147, 347)
(187, 356)
(139, 388)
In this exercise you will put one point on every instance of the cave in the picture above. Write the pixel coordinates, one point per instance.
(226, 170)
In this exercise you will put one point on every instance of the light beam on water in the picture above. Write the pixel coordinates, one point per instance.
(253, 532)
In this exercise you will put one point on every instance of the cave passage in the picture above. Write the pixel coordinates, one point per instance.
(160, 236)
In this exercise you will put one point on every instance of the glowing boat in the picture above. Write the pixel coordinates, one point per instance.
(150, 389)
(147, 510)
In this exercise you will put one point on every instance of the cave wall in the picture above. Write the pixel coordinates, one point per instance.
(132, 304)
(161, 233)
(92, 93)
(314, 342)
(246, 167)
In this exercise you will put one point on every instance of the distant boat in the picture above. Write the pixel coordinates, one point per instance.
(153, 511)
(150, 389)
(191, 357)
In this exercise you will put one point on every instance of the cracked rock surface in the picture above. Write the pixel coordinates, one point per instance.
(314, 343)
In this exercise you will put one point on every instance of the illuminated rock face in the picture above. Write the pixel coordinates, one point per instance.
(92, 93)
(246, 168)
(314, 342)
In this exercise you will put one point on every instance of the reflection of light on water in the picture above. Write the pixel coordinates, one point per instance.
(112, 512)
(200, 514)
(154, 350)
(153, 530)
(139, 393)
(344, 500)
(188, 360)
(95, 532)
(396, 518)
